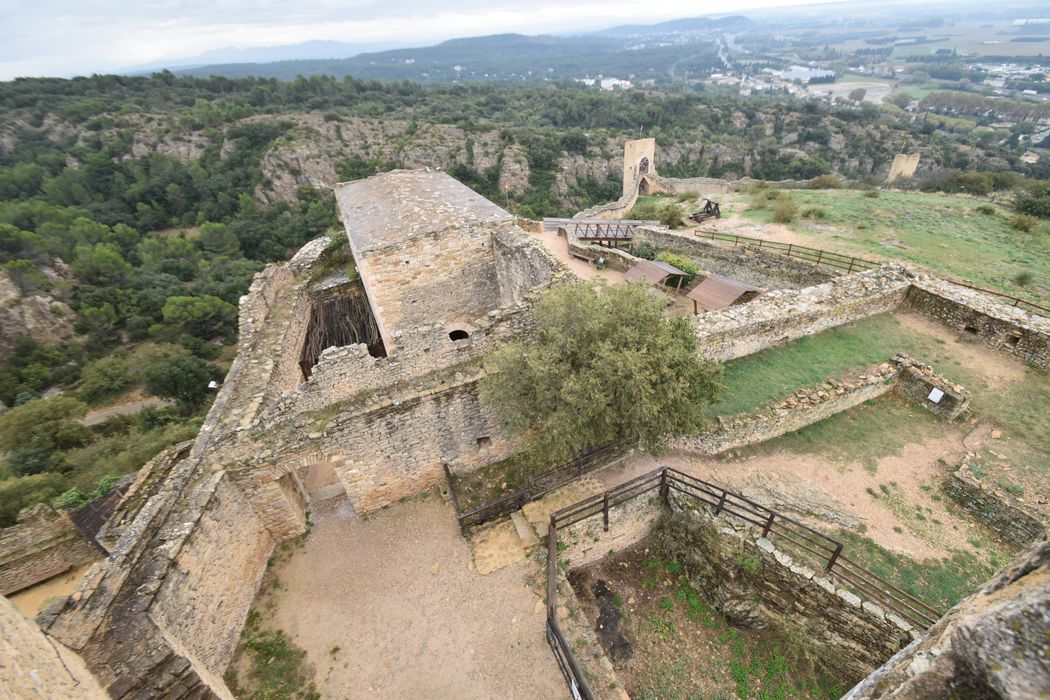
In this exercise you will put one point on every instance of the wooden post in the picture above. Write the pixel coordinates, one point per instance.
(605, 511)
(769, 524)
(834, 557)
(721, 502)
(820, 254)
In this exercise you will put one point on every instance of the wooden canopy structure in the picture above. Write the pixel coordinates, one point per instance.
(720, 292)
(654, 272)
(607, 232)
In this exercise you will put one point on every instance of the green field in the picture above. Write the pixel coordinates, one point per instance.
(942, 232)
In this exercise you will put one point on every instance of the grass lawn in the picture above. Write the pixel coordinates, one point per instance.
(942, 232)
(1018, 407)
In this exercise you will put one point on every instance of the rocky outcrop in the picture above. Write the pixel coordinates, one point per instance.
(39, 316)
(994, 644)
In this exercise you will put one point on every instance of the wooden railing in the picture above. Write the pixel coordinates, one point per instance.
(800, 540)
(852, 264)
(534, 488)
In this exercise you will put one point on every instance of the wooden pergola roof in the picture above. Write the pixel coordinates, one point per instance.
(653, 272)
(718, 292)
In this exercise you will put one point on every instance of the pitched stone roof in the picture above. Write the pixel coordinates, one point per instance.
(392, 207)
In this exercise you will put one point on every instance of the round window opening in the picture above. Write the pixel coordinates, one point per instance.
(458, 335)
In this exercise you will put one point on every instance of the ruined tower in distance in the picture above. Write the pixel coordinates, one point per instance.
(639, 158)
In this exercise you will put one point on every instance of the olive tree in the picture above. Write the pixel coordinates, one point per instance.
(600, 364)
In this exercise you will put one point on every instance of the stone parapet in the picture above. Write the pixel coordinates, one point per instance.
(919, 383)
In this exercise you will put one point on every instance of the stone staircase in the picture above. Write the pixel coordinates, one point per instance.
(506, 543)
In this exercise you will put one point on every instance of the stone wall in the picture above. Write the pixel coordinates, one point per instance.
(994, 323)
(629, 522)
(988, 504)
(783, 315)
(754, 584)
(200, 603)
(143, 635)
(522, 266)
(993, 644)
(757, 267)
(918, 380)
(32, 667)
(804, 407)
(44, 543)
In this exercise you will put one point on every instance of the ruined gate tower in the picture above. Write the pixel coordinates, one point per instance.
(639, 158)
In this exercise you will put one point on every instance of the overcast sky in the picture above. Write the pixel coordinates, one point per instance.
(79, 37)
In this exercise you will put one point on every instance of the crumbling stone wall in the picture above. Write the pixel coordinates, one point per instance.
(521, 266)
(35, 668)
(754, 584)
(783, 315)
(993, 644)
(44, 543)
(917, 381)
(805, 407)
(992, 505)
(760, 268)
(1009, 329)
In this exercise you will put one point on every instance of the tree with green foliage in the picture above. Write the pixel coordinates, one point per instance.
(206, 316)
(32, 433)
(601, 364)
(217, 239)
(183, 378)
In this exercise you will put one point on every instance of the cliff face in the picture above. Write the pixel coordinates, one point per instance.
(39, 316)
(994, 644)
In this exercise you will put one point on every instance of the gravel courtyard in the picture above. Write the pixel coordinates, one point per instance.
(391, 607)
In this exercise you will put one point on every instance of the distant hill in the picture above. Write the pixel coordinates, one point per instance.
(307, 50)
(689, 24)
(502, 57)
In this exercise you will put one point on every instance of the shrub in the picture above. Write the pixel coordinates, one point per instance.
(814, 213)
(644, 251)
(1023, 222)
(762, 196)
(104, 377)
(825, 182)
(684, 264)
(687, 196)
(16, 494)
(671, 215)
(1023, 279)
(986, 209)
(784, 208)
(871, 194)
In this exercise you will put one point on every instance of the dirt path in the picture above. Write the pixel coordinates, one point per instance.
(560, 249)
(101, 414)
(398, 596)
(895, 503)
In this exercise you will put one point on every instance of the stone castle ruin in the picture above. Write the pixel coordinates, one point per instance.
(357, 377)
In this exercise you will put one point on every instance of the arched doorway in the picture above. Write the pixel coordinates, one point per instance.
(643, 187)
(643, 165)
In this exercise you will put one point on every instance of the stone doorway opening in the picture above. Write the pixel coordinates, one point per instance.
(643, 165)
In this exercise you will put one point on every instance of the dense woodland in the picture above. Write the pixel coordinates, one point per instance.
(144, 255)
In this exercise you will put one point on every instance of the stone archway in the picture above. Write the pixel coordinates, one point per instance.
(643, 187)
